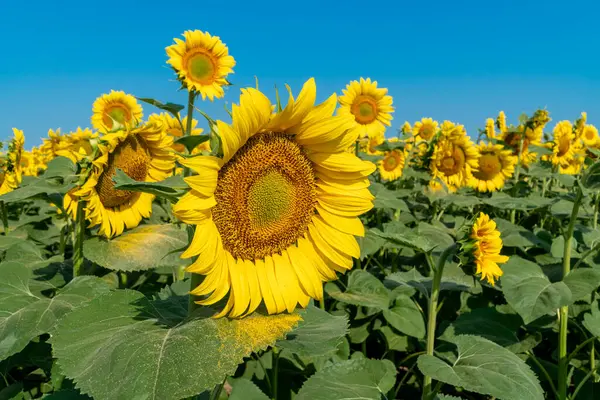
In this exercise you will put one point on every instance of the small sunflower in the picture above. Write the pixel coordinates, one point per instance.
(143, 153)
(392, 165)
(495, 166)
(487, 247)
(454, 156)
(278, 214)
(202, 63)
(373, 142)
(490, 132)
(501, 122)
(512, 139)
(564, 140)
(370, 106)
(406, 128)
(580, 125)
(172, 126)
(589, 136)
(11, 171)
(575, 163)
(32, 162)
(117, 106)
(425, 129)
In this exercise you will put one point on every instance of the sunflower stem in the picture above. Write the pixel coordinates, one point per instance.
(432, 311)
(216, 393)
(513, 212)
(188, 122)
(79, 236)
(596, 206)
(63, 239)
(563, 360)
(275, 373)
(4, 213)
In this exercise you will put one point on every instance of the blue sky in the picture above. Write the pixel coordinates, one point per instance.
(460, 60)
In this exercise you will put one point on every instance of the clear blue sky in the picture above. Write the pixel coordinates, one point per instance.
(457, 60)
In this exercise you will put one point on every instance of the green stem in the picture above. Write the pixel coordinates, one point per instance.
(583, 381)
(579, 347)
(545, 372)
(513, 212)
(596, 206)
(4, 213)
(563, 360)
(432, 310)
(275, 373)
(188, 124)
(79, 237)
(586, 255)
(216, 393)
(63, 239)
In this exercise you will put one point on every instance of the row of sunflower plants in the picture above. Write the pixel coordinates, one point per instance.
(296, 252)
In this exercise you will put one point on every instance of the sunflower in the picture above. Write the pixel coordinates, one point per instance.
(115, 106)
(564, 140)
(172, 126)
(425, 129)
(11, 171)
(406, 128)
(574, 164)
(143, 153)
(512, 139)
(278, 214)
(589, 136)
(487, 248)
(501, 122)
(392, 165)
(74, 145)
(32, 162)
(454, 156)
(202, 63)
(489, 128)
(370, 106)
(373, 142)
(580, 125)
(495, 165)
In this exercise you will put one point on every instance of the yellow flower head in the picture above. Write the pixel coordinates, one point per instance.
(406, 128)
(590, 136)
(495, 166)
(115, 106)
(202, 63)
(487, 249)
(564, 140)
(501, 122)
(33, 162)
(512, 140)
(278, 214)
(425, 129)
(11, 171)
(580, 125)
(454, 156)
(392, 165)
(74, 145)
(143, 153)
(489, 128)
(172, 127)
(370, 106)
(372, 142)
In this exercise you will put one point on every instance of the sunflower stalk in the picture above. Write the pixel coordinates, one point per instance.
(596, 206)
(563, 360)
(79, 237)
(433, 308)
(513, 212)
(4, 213)
(188, 125)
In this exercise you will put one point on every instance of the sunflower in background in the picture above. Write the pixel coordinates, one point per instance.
(580, 125)
(501, 122)
(73, 145)
(406, 128)
(370, 106)
(425, 129)
(589, 136)
(11, 171)
(115, 106)
(278, 214)
(33, 162)
(496, 164)
(202, 63)
(392, 165)
(512, 139)
(143, 153)
(490, 132)
(485, 246)
(564, 144)
(173, 128)
(369, 145)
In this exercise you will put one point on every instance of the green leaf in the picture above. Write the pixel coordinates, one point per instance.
(406, 317)
(591, 177)
(191, 142)
(484, 367)
(172, 108)
(170, 189)
(162, 357)
(25, 315)
(591, 321)
(60, 167)
(363, 290)
(142, 248)
(67, 394)
(394, 340)
(505, 202)
(369, 244)
(318, 334)
(453, 279)
(244, 389)
(582, 282)
(353, 379)
(386, 199)
(408, 239)
(529, 291)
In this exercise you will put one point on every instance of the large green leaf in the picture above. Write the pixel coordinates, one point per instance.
(591, 177)
(125, 346)
(350, 380)
(142, 248)
(25, 314)
(363, 290)
(370, 244)
(582, 282)
(484, 367)
(591, 321)
(318, 334)
(171, 188)
(452, 279)
(505, 202)
(244, 389)
(530, 292)
(408, 239)
(406, 317)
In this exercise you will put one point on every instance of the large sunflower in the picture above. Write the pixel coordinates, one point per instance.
(425, 129)
(487, 248)
(454, 156)
(370, 106)
(143, 153)
(277, 215)
(118, 106)
(564, 139)
(202, 63)
(495, 165)
(172, 126)
(11, 171)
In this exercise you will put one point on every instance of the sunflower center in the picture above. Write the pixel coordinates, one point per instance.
(265, 197)
(132, 157)
(590, 134)
(426, 132)
(391, 161)
(364, 109)
(117, 112)
(453, 161)
(489, 166)
(201, 67)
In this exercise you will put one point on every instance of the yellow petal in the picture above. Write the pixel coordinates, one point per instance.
(350, 225)
(342, 242)
(287, 280)
(306, 273)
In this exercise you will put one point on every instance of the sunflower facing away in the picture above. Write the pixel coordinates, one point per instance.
(454, 156)
(202, 63)
(370, 106)
(406, 128)
(487, 248)
(143, 153)
(490, 132)
(495, 166)
(278, 214)
(11, 171)
(512, 139)
(115, 106)
(174, 128)
(501, 122)
(392, 165)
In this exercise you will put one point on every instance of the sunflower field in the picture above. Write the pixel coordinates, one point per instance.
(298, 250)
